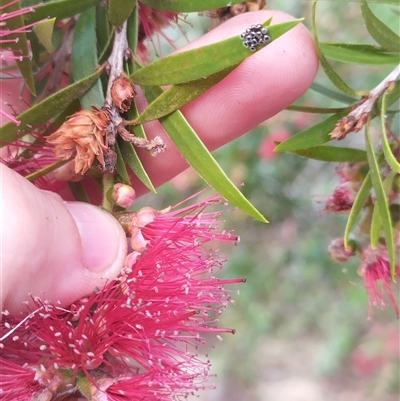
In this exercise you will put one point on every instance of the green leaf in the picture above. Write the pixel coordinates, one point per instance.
(84, 57)
(381, 201)
(329, 71)
(178, 95)
(317, 110)
(130, 157)
(45, 170)
(318, 134)
(358, 205)
(333, 154)
(204, 61)
(17, 41)
(376, 221)
(340, 97)
(121, 167)
(47, 109)
(102, 28)
(120, 10)
(378, 30)
(188, 6)
(196, 153)
(358, 53)
(44, 32)
(60, 9)
(132, 30)
(79, 191)
(387, 151)
(376, 227)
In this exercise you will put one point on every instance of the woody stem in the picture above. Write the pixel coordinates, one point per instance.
(116, 68)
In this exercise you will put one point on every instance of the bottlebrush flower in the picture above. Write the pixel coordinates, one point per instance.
(28, 155)
(8, 39)
(140, 337)
(343, 197)
(375, 269)
(147, 225)
(82, 136)
(152, 21)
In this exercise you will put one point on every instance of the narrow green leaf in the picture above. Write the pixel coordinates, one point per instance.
(381, 201)
(358, 53)
(376, 227)
(17, 42)
(188, 6)
(376, 221)
(131, 158)
(329, 71)
(204, 61)
(387, 151)
(378, 30)
(45, 170)
(317, 110)
(121, 167)
(60, 9)
(79, 191)
(196, 153)
(44, 32)
(340, 97)
(102, 28)
(120, 10)
(84, 57)
(394, 94)
(318, 134)
(132, 30)
(333, 154)
(178, 95)
(47, 109)
(357, 207)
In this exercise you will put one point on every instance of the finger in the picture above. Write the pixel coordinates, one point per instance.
(261, 86)
(59, 251)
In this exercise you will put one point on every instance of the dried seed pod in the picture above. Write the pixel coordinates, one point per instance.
(122, 92)
(225, 13)
(82, 136)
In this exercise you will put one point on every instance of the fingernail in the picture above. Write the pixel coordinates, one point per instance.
(103, 239)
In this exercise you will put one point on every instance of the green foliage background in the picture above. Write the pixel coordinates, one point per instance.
(301, 319)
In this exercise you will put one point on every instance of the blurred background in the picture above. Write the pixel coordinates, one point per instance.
(301, 320)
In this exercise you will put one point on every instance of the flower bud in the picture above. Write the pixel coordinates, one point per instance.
(122, 92)
(338, 252)
(123, 195)
(82, 136)
(343, 197)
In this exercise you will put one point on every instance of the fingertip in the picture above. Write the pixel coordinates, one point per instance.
(261, 86)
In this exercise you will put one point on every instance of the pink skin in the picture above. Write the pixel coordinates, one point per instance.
(62, 251)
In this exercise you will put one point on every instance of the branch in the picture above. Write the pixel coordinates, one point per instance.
(356, 119)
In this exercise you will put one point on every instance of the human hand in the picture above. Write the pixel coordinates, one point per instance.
(62, 251)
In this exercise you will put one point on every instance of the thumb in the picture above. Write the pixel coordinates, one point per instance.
(57, 250)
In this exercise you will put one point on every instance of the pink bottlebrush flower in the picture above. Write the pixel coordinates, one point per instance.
(149, 225)
(375, 270)
(28, 155)
(343, 197)
(152, 21)
(141, 336)
(8, 37)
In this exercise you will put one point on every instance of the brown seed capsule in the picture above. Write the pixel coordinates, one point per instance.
(82, 136)
(122, 92)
